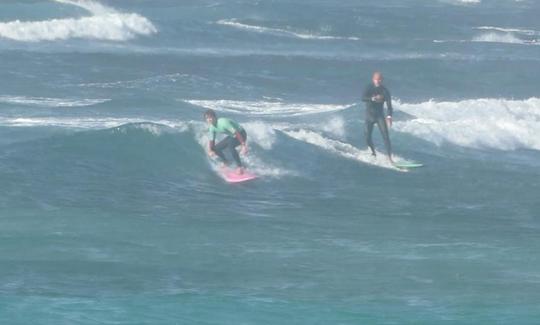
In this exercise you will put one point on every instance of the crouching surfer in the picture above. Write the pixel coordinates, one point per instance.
(235, 136)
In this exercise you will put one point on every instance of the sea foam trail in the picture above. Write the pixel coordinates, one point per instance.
(497, 38)
(462, 2)
(51, 102)
(89, 122)
(493, 34)
(262, 108)
(529, 32)
(341, 149)
(281, 32)
(507, 35)
(478, 123)
(104, 23)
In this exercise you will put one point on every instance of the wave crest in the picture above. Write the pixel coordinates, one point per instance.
(281, 32)
(105, 23)
(51, 102)
(478, 123)
(262, 108)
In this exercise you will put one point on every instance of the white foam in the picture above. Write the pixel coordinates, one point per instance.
(501, 35)
(50, 102)
(340, 148)
(104, 23)
(263, 168)
(463, 2)
(334, 126)
(507, 35)
(266, 107)
(478, 123)
(281, 32)
(261, 133)
(498, 38)
(88, 122)
(528, 32)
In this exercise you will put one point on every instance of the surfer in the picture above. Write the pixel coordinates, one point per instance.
(375, 96)
(236, 136)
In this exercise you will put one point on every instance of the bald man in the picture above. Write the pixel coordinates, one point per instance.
(375, 96)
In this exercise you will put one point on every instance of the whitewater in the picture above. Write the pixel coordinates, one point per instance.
(112, 213)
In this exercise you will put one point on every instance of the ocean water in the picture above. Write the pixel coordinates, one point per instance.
(111, 213)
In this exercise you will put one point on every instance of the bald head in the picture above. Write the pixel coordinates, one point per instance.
(377, 78)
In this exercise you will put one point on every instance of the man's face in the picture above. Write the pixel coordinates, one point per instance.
(377, 79)
(211, 120)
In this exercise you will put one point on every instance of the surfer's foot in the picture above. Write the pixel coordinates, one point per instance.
(391, 160)
(240, 170)
(373, 154)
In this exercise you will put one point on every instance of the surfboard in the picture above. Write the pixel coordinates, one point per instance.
(231, 176)
(407, 164)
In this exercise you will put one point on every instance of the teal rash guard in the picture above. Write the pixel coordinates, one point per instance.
(224, 125)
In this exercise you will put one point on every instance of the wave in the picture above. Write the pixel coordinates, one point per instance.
(148, 82)
(87, 122)
(342, 149)
(281, 32)
(508, 38)
(104, 23)
(493, 34)
(499, 124)
(462, 2)
(50, 102)
(507, 35)
(477, 123)
(266, 108)
(528, 32)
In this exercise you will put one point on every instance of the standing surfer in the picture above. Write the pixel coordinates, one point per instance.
(375, 96)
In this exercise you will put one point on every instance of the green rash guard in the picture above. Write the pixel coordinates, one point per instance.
(224, 125)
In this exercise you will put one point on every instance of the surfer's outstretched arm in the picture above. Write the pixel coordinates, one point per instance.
(242, 140)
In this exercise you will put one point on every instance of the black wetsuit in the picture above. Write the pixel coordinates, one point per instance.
(230, 143)
(375, 114)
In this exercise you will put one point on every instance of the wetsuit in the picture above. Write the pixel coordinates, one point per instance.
(229, 127)
(375, 114)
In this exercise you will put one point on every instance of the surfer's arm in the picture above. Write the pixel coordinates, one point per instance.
(389, 108)
(211, 142)
(388, 100)
(242, 141)
(211, 146)
(240, 138)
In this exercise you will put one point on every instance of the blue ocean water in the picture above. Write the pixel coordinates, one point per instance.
(111, 213)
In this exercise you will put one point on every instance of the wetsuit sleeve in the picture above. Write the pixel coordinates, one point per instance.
(366, 96)
(211, 135)
(388, 99)
(211, 138)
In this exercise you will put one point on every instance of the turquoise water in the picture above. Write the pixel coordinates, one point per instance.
(110, 212)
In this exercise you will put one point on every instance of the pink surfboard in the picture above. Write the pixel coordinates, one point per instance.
(231, 176)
